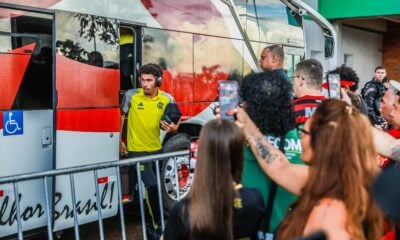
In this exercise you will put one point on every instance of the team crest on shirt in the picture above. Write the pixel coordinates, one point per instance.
(140, 106)
(160, 105)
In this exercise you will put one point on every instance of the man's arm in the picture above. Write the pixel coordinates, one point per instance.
(386, 145)
(122, 147)
(273, 162)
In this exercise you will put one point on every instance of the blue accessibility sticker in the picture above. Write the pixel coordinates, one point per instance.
(13, 123)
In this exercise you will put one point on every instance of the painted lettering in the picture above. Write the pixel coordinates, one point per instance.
(8, 212)
(8, 209)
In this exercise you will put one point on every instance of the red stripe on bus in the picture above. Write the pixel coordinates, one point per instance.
(82, 85)
(13, 66)
(89, 120)
(1, 120)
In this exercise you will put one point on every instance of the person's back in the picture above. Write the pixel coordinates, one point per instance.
(218, 207)
(307, 81)
(267, 99)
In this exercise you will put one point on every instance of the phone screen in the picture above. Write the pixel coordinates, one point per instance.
(334, 85)
(228, 98)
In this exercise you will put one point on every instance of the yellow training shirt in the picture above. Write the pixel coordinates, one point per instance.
(144, 115)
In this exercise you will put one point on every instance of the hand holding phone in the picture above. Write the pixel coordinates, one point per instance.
(228, 98)
(333, 81)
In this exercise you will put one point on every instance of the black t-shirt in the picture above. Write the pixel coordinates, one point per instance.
(248, 211)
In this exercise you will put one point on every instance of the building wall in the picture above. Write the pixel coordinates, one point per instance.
(391, 51)
(361, 50)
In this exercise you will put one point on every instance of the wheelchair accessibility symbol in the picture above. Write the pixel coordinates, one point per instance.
(13, 122)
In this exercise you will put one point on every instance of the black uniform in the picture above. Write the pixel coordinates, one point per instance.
(372, 94)
(246, 217)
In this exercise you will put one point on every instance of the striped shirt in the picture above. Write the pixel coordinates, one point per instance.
(304, 107)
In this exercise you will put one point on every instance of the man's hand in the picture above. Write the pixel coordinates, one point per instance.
(169, 127)
(122, 149)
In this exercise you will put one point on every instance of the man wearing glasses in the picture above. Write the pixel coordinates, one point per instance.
(307, 81)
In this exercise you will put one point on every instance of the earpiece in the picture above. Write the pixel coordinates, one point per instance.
(159, 81)
(159, 78)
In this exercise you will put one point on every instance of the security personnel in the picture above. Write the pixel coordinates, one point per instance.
(145, 107)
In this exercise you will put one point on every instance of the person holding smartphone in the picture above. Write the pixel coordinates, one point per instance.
(334, 187)
(349, 81)
(267, 98)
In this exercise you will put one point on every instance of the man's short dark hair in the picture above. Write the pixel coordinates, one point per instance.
(348, 74)
(268, 98)
(151, 68)
(380, 67)
(276, 50)
(312, 72)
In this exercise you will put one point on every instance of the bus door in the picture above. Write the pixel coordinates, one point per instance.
(130, 62)
(87, 114)
(26, 113)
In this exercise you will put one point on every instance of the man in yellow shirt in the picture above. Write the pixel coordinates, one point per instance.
(145, 107)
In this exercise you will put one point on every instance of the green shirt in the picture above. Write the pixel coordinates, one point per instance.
(253, 176)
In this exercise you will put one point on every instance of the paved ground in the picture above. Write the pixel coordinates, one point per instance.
(112, 227)
(112, 230)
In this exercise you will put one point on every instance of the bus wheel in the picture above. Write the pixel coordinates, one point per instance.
(169, 181)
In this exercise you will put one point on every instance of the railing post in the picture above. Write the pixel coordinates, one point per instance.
(178, 194)
(121, 207)
(19, 224)
(160, 200)
(142, 212)
(76, 225)
(48, 211)
(99, 210)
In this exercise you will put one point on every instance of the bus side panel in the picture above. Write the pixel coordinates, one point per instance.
(23, 154)
(88, 117)
(26, 116)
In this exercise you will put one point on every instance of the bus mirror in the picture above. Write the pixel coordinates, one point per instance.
(329, 44)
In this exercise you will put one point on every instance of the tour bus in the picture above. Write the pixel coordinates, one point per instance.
(64, 65)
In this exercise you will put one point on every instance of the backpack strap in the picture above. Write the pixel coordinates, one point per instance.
(272, 191)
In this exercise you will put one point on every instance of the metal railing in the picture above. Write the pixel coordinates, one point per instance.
(45, 175)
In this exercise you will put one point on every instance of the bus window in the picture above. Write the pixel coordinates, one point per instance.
(32, 35)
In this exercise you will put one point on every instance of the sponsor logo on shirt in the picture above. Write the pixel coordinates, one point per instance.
(140, 106)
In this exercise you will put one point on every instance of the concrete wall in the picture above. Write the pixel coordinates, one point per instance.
(391, 51)
(362, 50)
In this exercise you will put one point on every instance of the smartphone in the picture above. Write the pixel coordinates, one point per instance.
(333, 81)
(228, 98)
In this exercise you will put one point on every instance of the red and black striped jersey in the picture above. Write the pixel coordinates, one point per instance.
(304, 107)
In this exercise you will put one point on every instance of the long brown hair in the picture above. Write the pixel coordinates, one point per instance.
(342, 167)
(219, 164)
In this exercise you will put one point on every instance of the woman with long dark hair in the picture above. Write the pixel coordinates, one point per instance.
(217, 207)
(334, 188)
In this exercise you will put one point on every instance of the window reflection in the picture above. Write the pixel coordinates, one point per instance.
(268, 21)
(88, 39)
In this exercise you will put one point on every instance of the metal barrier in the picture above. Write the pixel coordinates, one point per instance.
(95, 167)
